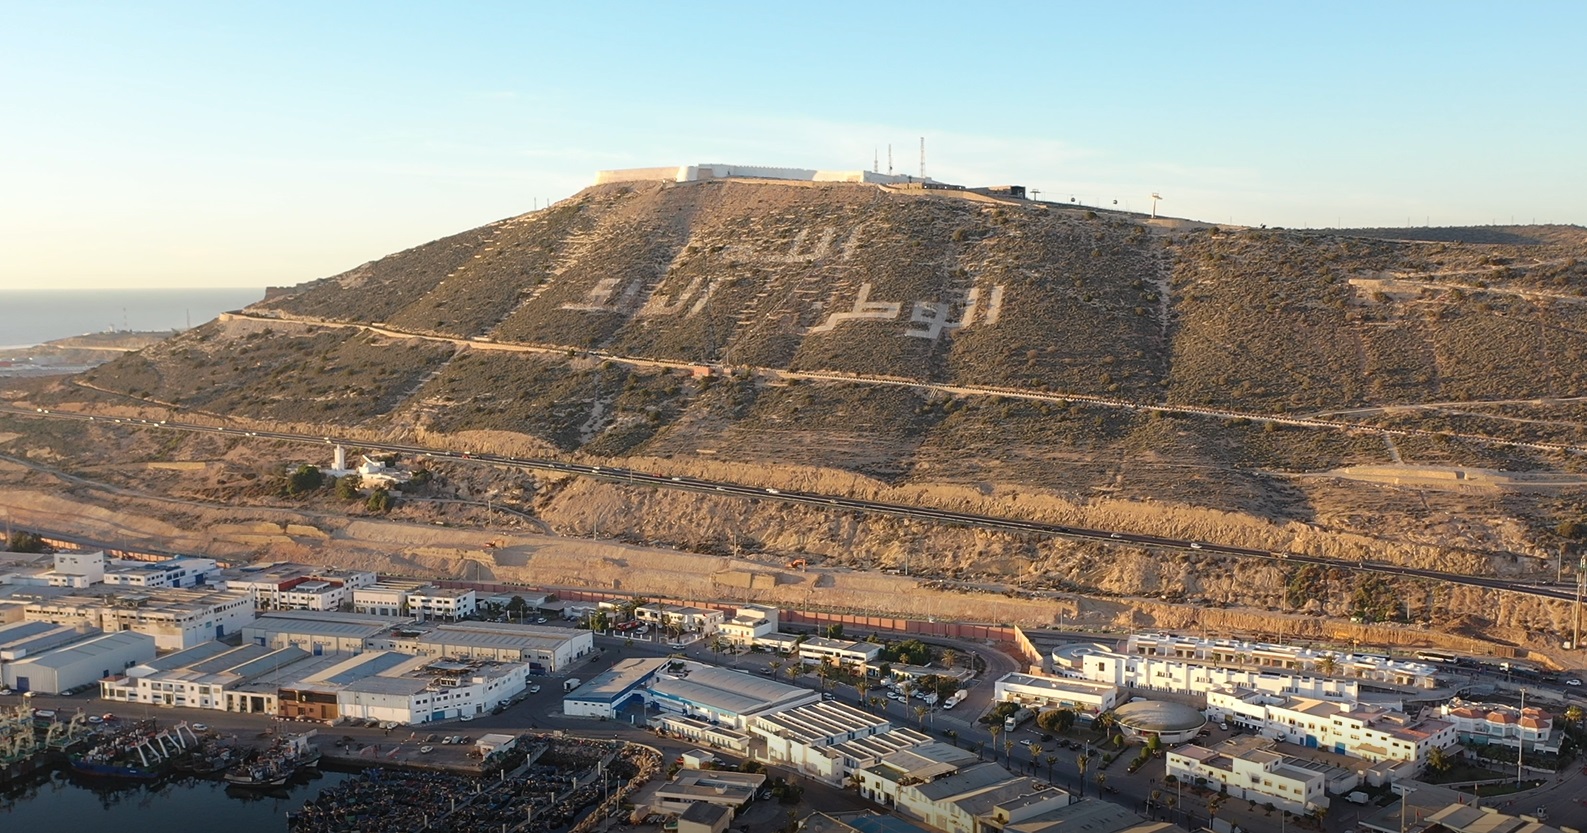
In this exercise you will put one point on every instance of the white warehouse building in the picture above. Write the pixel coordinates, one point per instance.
(80, 663)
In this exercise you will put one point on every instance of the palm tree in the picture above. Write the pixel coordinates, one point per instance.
(1104, 722)
(996, 729)
(1035, 755)
(920, 715)
(1051, 759)
(862, 684)
(774, 665)
(1102, 780)
(1327, 664)
(1573, 714)
(1082, 761)
(950, 658)
(1008, 751)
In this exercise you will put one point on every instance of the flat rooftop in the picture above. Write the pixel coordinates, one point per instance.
(618, 680)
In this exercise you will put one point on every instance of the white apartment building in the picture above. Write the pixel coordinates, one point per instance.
(1293, 658)
(1055, 693)
(1357, 730)
(749, 623)
(386, 598)
(1187, 676)
(289, 586)
(442, 603)
(698, 620)
(176, 619)
(819, 649)
(1494, 723)
(173, 572)
(1252, 770)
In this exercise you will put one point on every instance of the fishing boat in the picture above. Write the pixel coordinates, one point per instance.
(275, 765)
(137, 752)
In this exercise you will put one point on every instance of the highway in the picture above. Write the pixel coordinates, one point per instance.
(825, 502)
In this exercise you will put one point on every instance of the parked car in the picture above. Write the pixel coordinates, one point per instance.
(534, 688)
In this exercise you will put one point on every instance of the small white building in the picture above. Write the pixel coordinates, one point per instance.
(385, 598)
(290, 586)
(749, 623)
(1055, 693)
(1530, 728)
(818, 649)
(442, 603)
(171, 572)
(703, 621)
(199, 677)
(1251, 769)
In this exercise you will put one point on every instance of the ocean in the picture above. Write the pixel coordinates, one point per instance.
(29, 317)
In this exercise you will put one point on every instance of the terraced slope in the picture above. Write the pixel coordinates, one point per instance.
(623, 287)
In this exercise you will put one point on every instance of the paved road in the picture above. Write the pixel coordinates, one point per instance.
(834, 503)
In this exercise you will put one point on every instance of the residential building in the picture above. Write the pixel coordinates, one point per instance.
(1234, 652)
(386, 598)
(1530, 728)
(1191, 676)
(169, 573)
(176, 619)
(1358, 730)
(291, 586)
(442, 603)
(699, 620)
(1250, 768)
(1042, 692)
(749, 623)
(820, 649)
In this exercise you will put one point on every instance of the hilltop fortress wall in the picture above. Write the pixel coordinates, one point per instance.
(705, 171)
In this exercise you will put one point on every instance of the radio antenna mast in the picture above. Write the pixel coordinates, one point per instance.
(922, 158)
(889, 160)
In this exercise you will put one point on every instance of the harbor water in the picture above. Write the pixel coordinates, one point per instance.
(61, 801)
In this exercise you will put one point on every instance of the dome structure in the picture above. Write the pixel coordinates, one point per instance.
(1171, 722)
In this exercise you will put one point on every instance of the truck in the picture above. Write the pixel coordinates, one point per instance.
(1015, 720)
(569, 684)
(956, 698)
(1357, 797)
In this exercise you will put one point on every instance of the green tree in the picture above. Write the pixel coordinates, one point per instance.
(1082, 762)
(304, 480)
(1439, 760)
(25, 542)
(1035, 754)
(834, 630)
(517, 607)
(379, 501)
(347, 488)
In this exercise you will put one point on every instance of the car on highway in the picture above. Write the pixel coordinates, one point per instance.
(1573, 682)
(465, 718)
(1195, 545)
(200, 727)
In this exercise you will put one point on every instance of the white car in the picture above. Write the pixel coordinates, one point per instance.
(199, 727)
(534, 689)
(1573, 681)
(465, 718)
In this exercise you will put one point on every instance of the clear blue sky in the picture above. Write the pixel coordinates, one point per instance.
(213, 144)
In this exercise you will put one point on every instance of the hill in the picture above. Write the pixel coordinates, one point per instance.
(954, 348)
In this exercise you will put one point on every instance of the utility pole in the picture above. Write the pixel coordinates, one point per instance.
(1520, 744)
(1581, 573)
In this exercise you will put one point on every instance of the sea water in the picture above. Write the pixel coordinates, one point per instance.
(63, 802)
(29, 317)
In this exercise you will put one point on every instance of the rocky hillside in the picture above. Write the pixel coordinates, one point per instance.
(763, 329)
